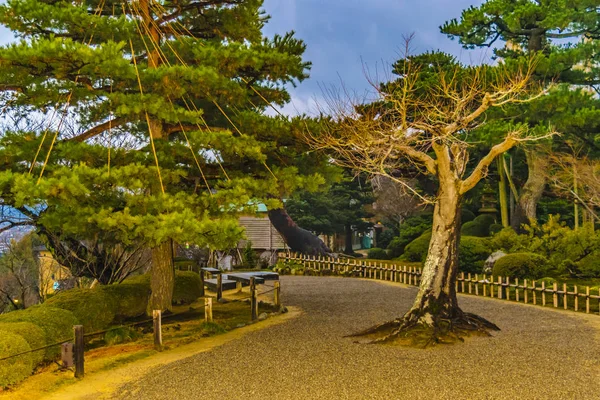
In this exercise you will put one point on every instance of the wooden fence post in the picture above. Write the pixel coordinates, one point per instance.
(484, 285)
(201, 283)
(476, 284)
(208, 315)
(470, 283)
(507, 288)
(157, 323)
(500, 288)
(555, 294)
(462, 283)
(78, 351)
(238, 286)
(543, 293)
(534, 294)
(576, 298)
(219, 287)
(277, 289)
(517, 289)
(565, 296)
(587, 299)
(525, 290)
(253, 299)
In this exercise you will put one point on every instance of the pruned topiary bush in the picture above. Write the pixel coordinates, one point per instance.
(466, 215)
(378, 254)
(130, 298)
(56, 323)
(188, 287)
(94, 308)
(417, 249)
(472, 253)
(14, 369)
(33, 335)
(521, 265)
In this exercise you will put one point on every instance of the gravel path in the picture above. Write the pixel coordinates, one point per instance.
(539, 354)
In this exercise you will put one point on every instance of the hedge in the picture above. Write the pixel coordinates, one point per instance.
(94, 308)
(417, 249)
(378, 254)
(33, 335)
(521, 265)
(56, 323)
(472, 253)
(480, 226)
(18, 368)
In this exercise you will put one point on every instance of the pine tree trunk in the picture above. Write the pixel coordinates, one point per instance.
(348, 240)
(298, 239)
(162, 279)
(525, 212)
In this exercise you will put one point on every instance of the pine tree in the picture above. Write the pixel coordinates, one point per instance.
(541, 28)
(167, 102)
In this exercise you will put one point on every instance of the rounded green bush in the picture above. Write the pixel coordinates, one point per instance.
(94, 309)
(590, 265)
(466, 215)
(472, 253)
(18, 368)
(130, 298)
(480, 226)
(495, 228)
(33, 335)
(56, 323)
(417, 249)
(521, 265)
(378, 254)
(188, 287)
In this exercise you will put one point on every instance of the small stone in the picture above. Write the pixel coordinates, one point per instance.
(240, 325)
(262, 316)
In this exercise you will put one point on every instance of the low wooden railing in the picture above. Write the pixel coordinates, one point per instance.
(580, 299)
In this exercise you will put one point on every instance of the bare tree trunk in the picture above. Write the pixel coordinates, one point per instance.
(435, 310)
(162, 278)
(298, 239)
(525, 212)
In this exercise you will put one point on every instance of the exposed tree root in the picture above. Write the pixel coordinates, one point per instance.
(423, 330)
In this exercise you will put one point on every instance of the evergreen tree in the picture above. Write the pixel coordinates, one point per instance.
(541, 28)
(183, 87)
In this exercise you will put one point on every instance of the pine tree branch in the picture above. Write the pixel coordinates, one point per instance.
(98, 129)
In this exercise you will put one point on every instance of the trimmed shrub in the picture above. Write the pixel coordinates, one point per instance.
(33, 335)
(56, 323)
(521, 265)
(18, 368)
(94, 308)
(378, 254)
(589, 266)
(417, 249)
(385, 238)
(188, 287)
(485, 219)
(466, 215)
(495, 228)
(472, 253)
(130, 298)
(480, 226)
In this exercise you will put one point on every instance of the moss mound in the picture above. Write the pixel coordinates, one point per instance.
(188, 287)
(14, 369)
(378, 254)
(130, 298)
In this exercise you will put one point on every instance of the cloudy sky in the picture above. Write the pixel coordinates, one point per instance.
(344, 36)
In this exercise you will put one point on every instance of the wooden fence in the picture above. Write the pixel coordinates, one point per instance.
(526, 291)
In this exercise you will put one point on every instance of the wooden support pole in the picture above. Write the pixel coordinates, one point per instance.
(534, 293)
(277, 293)
(201, 283)
(208, 314)
(476, 284)
(462, 283)
(484, 286)
(555, 294)
(507, 288)
(500, 288)
(157, 323)
(576, 298)
(517, 289)
(219, 287)
(78, 351)
(525, 291)
(470, 284)
(253, 299)
(565, 296)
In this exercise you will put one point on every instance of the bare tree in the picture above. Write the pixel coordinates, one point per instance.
(393, 201)
(19, 271)
(425, 123)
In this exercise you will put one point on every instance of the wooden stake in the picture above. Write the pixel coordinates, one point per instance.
(219, 287)
(565, 296)
(500, 287)
(525, 291)
(462, 283)
(576, 298)
(470, 283)
(238, 286)
(517, 289)
(534, 294)
(587, 299)
(157, 323)
(476, 284)
(208, 314)
(555, 294)
(543, 293)
(78, 351)
(276, 294)
(253, 299)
